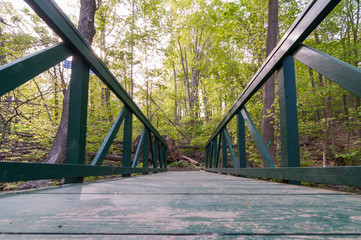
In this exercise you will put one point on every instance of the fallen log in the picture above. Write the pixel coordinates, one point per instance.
(190, 147)
(190, 160)
(109, 157)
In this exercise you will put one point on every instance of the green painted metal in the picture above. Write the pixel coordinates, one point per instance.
(230, 147)
(224, 150)
(104, 148)
(216, 160)
(16, 171)
(349, 176)
(215, 152)
(241, 141)
(208, 155)
(306, 22)
(127, 141)
(155, 153)
(146, 148)
(161, 155)
(165, 158)
(151, 147)
(266, 158)
(18, 72)
(288, 114)
(340, 72)
(62, 26)
(139, 148)
(77, 119)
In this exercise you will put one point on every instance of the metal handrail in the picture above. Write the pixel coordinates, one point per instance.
(20, 71)
(281, 59)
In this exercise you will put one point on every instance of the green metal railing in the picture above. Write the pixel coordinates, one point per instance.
(282, 60)
(18, 72)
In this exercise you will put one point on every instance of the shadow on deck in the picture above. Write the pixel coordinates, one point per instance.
(178, 205)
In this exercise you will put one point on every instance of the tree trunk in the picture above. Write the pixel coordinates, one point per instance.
(358, 104)
(132, 52)
(317, 111)
(57, 153)
(175, 97)
(269, 87)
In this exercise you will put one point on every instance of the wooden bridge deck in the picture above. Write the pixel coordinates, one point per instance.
(180, 205)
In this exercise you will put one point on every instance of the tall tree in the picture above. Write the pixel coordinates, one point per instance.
(269, 87)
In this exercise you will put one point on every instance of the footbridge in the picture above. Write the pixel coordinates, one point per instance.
(178, 205)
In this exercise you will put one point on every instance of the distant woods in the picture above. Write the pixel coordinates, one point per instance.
(185, 63)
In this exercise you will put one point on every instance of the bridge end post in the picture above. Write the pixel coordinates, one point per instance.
(288, 115)
(77, 118)
(127, 141)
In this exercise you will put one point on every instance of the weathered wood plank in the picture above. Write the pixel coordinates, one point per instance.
(194, 205)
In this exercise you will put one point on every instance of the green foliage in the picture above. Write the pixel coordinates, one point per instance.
(197, 55)
(178, 164)
(351, 157)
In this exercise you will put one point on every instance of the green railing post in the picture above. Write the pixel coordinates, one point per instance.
(209, 159)
(224, 150)
(288, 114)
(206, 163)
(127, 141)
(215, 152)
(241, 141)
(155, 153)
(146, 148)
(161, 156)
(209, 155)
(206, 158)
(77, 118)
(165, 157)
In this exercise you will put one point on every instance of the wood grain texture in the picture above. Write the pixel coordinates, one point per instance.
(180, 205)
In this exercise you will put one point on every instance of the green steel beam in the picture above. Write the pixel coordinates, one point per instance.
(224, 150)
(156, 152)
(230, 147)
(151, 147)
(209, 159)
(18, 72)
(305, 23)
(59, 22)
(104, 148)
(165, 157)
(127, 141)
(349, 176)
(340, 72)
(161, 156)
(207, 156)
(266, 158)
(16, 171)
(215, 152)
(241, 141)
(139, 148)
(78, 110)
(146, 148)
(288, 114)
(218, 151)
